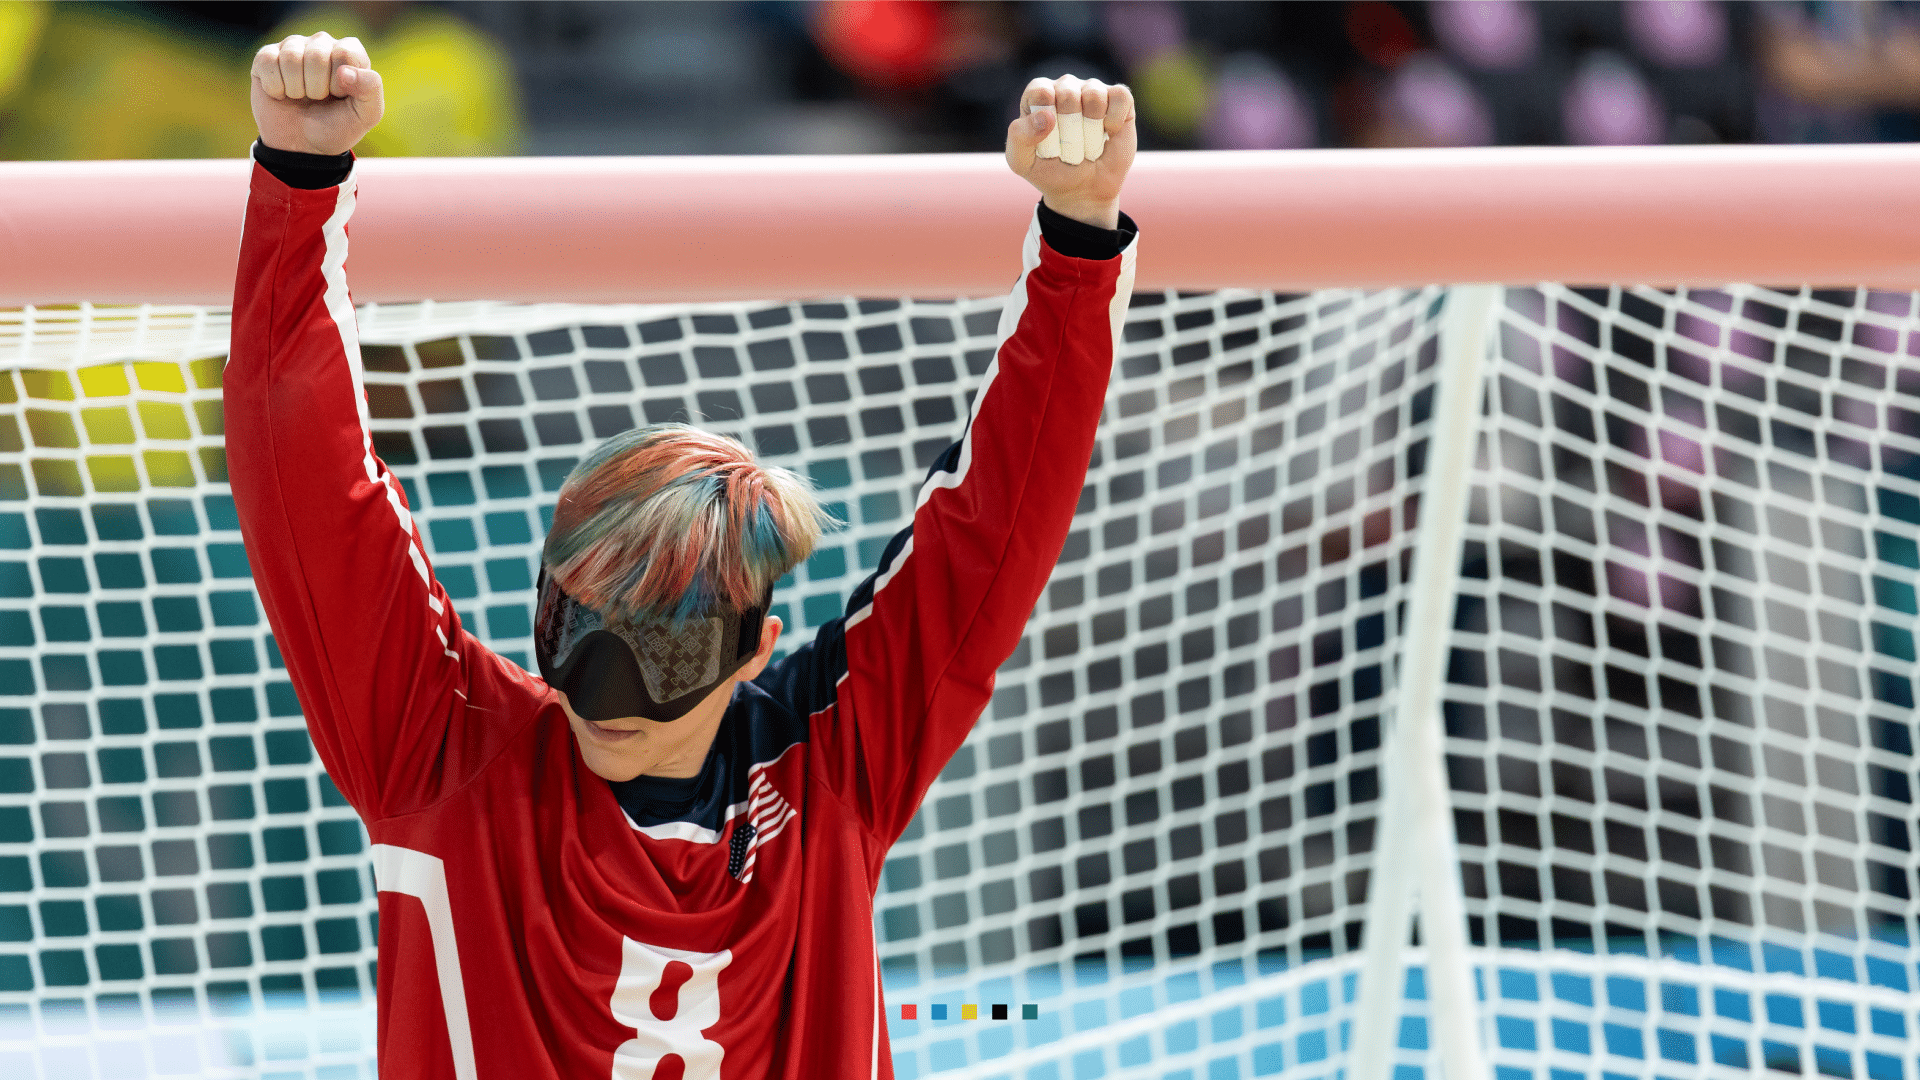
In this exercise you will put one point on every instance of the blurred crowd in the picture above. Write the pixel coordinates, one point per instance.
(145, 80)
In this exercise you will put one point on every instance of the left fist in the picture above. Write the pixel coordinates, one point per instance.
(1088, 191)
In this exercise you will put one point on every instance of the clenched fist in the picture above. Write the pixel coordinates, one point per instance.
(315, 95)
(1088, 191)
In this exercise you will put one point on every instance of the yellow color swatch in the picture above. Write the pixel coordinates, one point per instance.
(969, 1012)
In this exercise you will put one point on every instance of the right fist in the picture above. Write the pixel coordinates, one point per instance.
(1082, 185)
(315, 95)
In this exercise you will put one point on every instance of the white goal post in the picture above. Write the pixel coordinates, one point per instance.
(1441, 678)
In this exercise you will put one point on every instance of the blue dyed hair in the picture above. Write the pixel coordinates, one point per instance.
(669, 522)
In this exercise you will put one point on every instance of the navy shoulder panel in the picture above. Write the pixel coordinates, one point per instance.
(804, 682)
(763, 726)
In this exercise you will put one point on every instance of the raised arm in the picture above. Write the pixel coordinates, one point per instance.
(369, 638)
(912, 663)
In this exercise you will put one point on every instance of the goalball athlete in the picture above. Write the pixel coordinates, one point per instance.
(659, 861)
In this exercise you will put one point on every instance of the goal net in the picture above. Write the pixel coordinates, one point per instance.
(1677, 706)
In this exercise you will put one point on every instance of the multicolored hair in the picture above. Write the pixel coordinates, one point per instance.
(669, 522)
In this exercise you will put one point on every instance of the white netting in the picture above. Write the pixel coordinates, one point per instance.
(1680, 715)
(1159, 835)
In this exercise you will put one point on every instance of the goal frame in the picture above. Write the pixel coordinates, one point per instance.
(793, 228)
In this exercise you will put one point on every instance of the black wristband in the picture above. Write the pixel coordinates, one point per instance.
(309, 172)
(1079, 240)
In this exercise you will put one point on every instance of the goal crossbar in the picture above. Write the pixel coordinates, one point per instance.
(713, 228)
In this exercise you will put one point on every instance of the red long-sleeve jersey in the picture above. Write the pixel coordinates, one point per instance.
(529, 927)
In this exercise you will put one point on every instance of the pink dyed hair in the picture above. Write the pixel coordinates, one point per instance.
(670, 522)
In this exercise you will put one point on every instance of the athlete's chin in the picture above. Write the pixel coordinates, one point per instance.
(610, 753)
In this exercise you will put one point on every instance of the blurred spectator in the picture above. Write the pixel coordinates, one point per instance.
(170, 80)
(451, 89)
(1696, 57)
(121, 81)
(885, 44)
(1495, 35)
(1429, 103)
(21, 25)
(982, 66)
(1168, 74)
(943, 69)
(827, 76)
(1841, 72)
(1608, 103)
(1503, 51)
(1256, 106)
(1679, 33)
(1403, 91)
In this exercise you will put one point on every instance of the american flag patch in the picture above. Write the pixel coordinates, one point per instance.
(766, 817)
